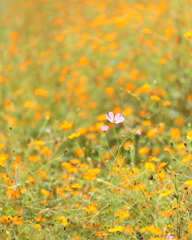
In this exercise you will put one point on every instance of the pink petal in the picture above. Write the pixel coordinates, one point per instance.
(111, 115)
(109, 119)
(104, 128)
(117, 116)
(120, 120)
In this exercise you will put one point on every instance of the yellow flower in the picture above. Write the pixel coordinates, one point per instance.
(63, 220)
(74, 135)
(188, 34)
(155, 98)
(116, 229)
(37, 226)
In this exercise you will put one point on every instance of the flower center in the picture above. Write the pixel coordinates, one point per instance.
(114, 120)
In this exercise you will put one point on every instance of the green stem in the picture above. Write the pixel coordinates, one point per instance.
(124, 142)
(115, 134)
(109, 147)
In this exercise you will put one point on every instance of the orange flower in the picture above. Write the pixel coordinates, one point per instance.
(13, 194)
(46, 151)
(189, 135)
(116, 229)
(155, 230)
(40, 219)
(167, 192)
(76, 185)
(102, 234)
(66, 125)
(108, 72)
(14, 35)
(155, 98)
(166, 103)
(43, 174)
(3, 159)
(144, 150)
(46, 193)
(190, 227)
(84, 61)
(122, 214)
(2, 145)
(41, 92)
(37, 226)
(150, 166)
(34, 158)
(152, 133)
(188, 34)
(91, 208)
(79, 152)
(175, 133)
(168, 213)
(91, 174)
(17, 221)
(128, 230)
(74, 135)
(63, 220)
(37, 143)
(128, 111)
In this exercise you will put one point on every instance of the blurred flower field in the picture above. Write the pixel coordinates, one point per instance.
(96, 119)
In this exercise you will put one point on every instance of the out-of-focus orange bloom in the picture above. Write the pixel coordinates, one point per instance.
(43, 174)
(102, 234)
(17, 221)
(108, 72)
(144, 150)
(144, 89)
(128, 111)
(69, 167)
(79, 152)
(12, 193)
(46, 192)
(84, 61)
(91, 174)
(3, 159)
(167, 192)
(40, 219)
(74, 135)
(66, 125)
(41, 92)
(128, 230)
(14, 35)
(130, 87)
(2, 145)
(34, 158)
(110, 91)
(63, 220)
(188, 34)
(168, 213)
(166, 103)
(91, 208)
(37, 226)
(46, 151)
(65, 70)
(175, 133)
(150, 166)
(180, 121)
(152, 133)
(155, 230)
(155, 98)
(163, 61)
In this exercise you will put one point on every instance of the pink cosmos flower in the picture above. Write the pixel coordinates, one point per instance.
(169, 237)
(138, 133)
(115, 118)
(104, 128)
